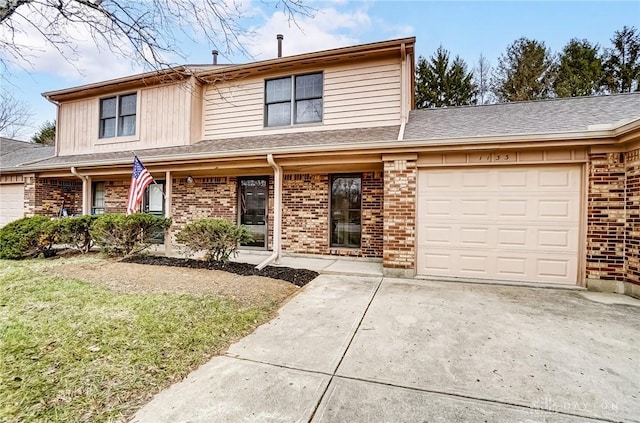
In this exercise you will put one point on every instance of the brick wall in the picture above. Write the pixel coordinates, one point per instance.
(632, 253)
(115, 196)
(606, 217)
(205, 197)
(45, 197)
(305, 216)
(399, 216)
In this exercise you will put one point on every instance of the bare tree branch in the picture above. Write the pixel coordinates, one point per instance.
(14, 115)
(146, 31)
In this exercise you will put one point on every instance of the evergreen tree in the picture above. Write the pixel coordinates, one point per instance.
(440, 84)
(622, 62)
(579, 70)
(46, 135)
(524, 72)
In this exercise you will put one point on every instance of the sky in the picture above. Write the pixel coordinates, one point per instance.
(465, 28)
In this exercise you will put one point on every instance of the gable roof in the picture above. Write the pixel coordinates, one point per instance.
(14, 153)
(576, 114)
(225, 72)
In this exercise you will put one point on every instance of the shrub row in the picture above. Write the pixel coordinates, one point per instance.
(117, 235)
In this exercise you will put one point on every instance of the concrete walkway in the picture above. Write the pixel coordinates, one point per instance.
(328, 265)
(368, 349)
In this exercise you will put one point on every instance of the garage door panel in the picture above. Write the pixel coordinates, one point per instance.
(523, 224)
(11, 203)
(502, 266)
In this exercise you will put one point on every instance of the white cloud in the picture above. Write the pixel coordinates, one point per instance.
(81, 57)
(327, 28)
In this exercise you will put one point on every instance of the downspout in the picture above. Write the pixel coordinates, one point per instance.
(277, 213)
(85, 190)
(403, 91)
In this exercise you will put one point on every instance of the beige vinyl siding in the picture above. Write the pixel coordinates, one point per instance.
(163, 119)
(354, 95)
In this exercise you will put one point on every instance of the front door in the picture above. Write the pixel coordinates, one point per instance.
(154, 204)
(253, 201)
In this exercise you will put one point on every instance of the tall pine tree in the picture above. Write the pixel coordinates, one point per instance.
(622, 62)
(524, 72)
(441, 84)
(579, 70)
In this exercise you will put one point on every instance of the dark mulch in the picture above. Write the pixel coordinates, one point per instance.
(299, 277)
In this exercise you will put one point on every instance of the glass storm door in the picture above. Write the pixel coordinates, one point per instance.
(154, 204)
(253, 199)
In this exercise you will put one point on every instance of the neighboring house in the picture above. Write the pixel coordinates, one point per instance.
(14, 155)
(321, 153)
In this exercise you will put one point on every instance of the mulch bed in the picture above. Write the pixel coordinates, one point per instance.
(299, 277)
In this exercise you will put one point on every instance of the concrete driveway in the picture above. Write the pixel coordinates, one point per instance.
(356, 349)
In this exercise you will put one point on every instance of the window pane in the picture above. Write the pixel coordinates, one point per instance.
(108, 107)
(107, 128)
(155, 201)
(346, 211)
(128, 105)
(278, 90)
(309, 111)
(279, 114)
(127, 125)
(97, 206)
(308, 86)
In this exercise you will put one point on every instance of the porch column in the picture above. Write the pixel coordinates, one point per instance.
(168, 188)
(87, 195)
(399, 229)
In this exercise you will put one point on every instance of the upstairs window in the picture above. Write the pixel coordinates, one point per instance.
(293, 100)
(118, 116)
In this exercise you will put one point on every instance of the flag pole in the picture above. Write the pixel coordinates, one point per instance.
(135, 156)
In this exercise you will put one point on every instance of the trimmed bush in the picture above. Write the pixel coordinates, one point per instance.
(218, 238)
(119, 235)
(25, 238)
(75, 232)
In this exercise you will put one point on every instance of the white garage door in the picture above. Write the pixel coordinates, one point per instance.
(11, 203)
(505, 223)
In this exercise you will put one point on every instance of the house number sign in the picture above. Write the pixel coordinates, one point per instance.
(496, 157)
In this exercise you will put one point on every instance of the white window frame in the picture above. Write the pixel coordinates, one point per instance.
(292, 101)
(117, 137)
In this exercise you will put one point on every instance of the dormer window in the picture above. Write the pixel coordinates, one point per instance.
(293, 100)
(118, 116)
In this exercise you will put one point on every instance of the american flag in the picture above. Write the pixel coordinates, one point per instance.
(140, 180)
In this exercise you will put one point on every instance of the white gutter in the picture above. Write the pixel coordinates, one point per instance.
(401, 131)
(85, 190)
(277, 213)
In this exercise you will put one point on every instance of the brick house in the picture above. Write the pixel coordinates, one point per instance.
(321, 153)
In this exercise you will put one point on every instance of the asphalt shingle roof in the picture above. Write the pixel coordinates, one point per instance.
(266, 143)
(14, 153)
(520, 118)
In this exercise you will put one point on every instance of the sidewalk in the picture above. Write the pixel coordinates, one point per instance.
(328, 265)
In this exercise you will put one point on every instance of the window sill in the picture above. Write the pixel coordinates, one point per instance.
(295, 125)
(117, 140)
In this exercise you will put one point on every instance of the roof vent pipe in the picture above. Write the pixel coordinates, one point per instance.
(280, 37)
(215, 56)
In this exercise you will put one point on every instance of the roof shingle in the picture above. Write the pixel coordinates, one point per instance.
(522, 118)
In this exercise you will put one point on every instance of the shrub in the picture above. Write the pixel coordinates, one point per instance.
(73, 231)
(25, 238)
(120, 235)
(218, 238)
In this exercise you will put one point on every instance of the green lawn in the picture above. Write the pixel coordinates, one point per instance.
(72, 351)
